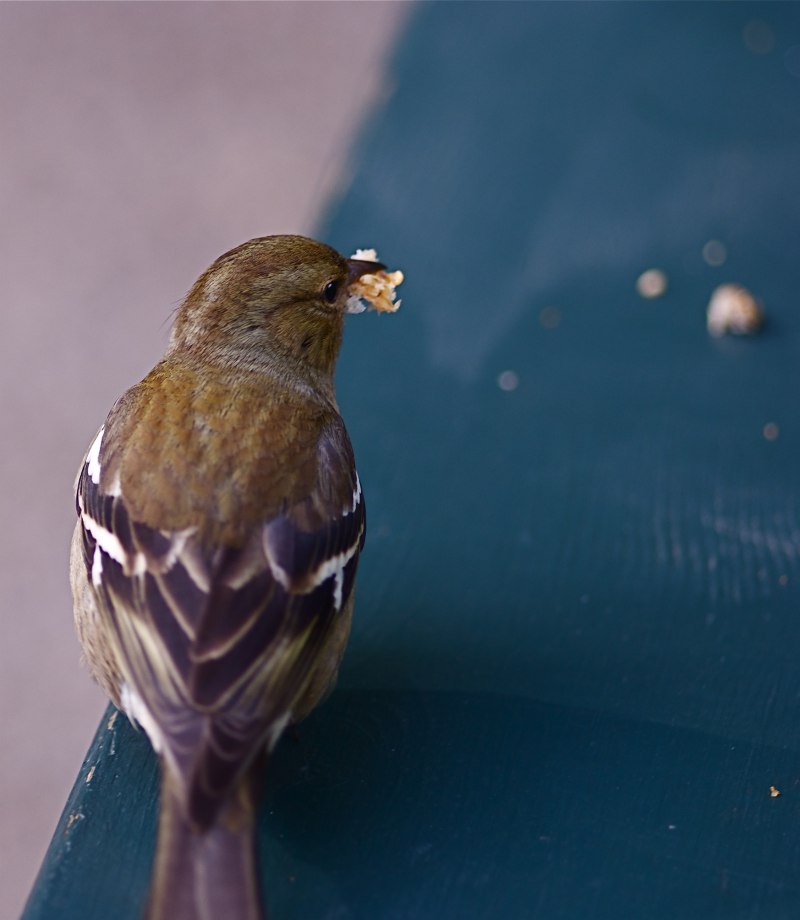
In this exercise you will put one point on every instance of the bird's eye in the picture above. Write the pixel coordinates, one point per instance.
(331, 290)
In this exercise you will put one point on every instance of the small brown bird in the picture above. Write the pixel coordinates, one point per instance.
(220, 521)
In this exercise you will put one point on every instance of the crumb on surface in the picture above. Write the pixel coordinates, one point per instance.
(715, 253)
(734, 309)
(73, 818)
(508, 381)
(771, 431)
(651, 284)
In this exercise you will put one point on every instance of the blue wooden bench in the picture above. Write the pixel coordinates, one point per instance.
(573, 687)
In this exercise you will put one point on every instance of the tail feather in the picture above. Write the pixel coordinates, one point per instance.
(208, 874)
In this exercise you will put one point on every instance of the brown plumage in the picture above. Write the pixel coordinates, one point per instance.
(220, 520)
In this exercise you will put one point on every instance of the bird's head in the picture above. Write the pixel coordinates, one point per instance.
(275, 298)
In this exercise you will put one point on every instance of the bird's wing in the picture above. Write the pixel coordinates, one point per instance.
(218, 645)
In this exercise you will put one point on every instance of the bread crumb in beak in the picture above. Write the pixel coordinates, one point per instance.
(377, 289)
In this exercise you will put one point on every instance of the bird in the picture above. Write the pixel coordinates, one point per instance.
(220, 520)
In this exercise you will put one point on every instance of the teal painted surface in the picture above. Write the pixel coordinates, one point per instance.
(573, 675)
(98, 864)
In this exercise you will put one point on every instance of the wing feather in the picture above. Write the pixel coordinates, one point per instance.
(217, 645)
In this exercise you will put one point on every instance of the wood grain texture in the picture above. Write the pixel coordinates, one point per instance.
(573, 674)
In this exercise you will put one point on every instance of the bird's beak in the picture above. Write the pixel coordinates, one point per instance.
(358, 267)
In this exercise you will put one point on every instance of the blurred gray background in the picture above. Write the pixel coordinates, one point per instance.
(139, 141)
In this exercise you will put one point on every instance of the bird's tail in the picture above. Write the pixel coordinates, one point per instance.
(205, 875)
